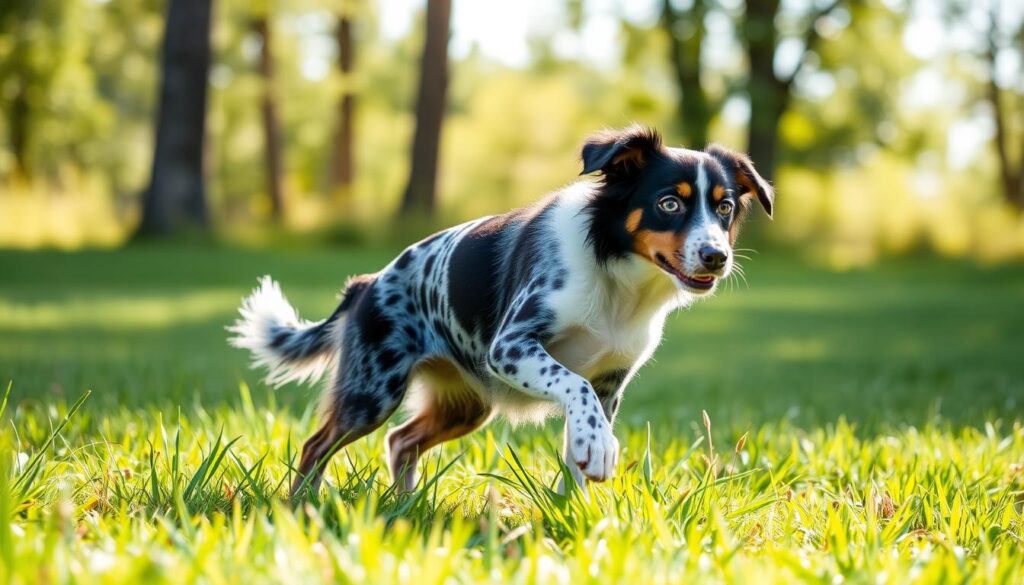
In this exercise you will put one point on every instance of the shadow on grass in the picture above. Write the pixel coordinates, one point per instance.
(902, 343)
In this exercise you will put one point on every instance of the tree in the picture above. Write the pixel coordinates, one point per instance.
(770, 91)
(268, 112)
(51, 105)
(685, 30)
(420, 192)
(343, 159)
(176, 197)
(1011, 164)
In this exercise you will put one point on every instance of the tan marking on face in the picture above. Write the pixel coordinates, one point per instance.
(649, 243)
(718, 193)
(633, 220)
(684, 189)
(747, 185)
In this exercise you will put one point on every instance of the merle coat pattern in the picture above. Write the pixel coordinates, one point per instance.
(545, 310)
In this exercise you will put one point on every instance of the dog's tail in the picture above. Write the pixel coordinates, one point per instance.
(289, 348)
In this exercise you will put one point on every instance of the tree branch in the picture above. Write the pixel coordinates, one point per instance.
(811, 39)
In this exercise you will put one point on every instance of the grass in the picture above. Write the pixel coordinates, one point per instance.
(864, 427)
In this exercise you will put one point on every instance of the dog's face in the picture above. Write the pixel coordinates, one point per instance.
(678, 209)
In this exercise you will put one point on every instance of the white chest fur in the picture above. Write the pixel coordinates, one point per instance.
(608, 316)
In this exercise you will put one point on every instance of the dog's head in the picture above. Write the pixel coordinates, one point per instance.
(679, 209)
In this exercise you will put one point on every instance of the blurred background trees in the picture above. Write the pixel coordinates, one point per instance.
(888, 125)
(176, 195)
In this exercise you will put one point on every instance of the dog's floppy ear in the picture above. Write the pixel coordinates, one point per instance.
(750, 183)
(620, 152)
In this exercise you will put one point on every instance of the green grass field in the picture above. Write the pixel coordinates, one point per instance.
(881, 412)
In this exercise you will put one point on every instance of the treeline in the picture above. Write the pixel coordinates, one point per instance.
(267, 105)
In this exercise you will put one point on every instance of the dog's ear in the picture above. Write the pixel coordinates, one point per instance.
(750, 183)
(620, 152)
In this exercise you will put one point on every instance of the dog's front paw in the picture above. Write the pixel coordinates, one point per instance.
(593, 448)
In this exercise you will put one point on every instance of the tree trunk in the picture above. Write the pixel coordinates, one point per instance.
(18, 123)
(768, 95)
(1011, 173)
(343, 161)
(694, 107)
(271, 127)
(175, 197)
(420, 193)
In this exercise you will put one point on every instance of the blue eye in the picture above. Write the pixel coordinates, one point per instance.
(670, 204)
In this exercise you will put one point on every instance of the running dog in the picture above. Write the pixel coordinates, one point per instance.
(545, 310)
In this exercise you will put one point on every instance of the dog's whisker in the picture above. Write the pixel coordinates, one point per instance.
(740, 273)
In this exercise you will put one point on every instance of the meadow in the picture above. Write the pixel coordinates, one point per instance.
(862, 426)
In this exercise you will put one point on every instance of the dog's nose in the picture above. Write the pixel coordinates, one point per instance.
(712, 258)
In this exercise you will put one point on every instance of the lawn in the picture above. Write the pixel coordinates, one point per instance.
(880, 413)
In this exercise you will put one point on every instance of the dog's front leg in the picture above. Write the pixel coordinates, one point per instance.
(517, 356)
(577, 474)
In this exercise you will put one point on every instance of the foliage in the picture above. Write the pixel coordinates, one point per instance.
(512, 131)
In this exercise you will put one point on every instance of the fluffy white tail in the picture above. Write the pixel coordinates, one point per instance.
(289, 348)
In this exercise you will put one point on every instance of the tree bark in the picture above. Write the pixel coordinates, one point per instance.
(18, 123)
(421, 191)
(271, 126)
(1011, 173)
(343, 161)
(769, 93)
(176, 197)
(695, 109)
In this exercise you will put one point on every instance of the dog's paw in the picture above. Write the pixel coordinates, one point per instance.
(594, 449)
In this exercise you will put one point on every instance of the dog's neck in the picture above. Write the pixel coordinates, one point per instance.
(628, 282)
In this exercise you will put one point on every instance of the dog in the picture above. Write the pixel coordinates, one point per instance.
(545, 310)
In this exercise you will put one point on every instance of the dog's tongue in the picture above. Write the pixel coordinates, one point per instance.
(703, 278)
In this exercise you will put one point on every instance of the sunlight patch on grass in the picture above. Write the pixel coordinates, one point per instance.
(117, 312)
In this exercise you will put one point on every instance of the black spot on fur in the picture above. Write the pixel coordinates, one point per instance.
(387, 358)
(510, 369)
(475, 277)
(280, 338)
(362, 408)
(530, 310)
(403, 261)
(395, 384)
(373, 324)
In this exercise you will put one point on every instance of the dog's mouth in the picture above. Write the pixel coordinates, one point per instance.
(698, 282)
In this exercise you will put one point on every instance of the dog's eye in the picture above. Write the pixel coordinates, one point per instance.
(725, 208)
(670, 204)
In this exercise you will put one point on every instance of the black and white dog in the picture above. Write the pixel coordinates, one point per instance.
(544, 310)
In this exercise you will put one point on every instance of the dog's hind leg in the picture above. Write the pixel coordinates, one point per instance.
(360, 400)
(447, 409)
